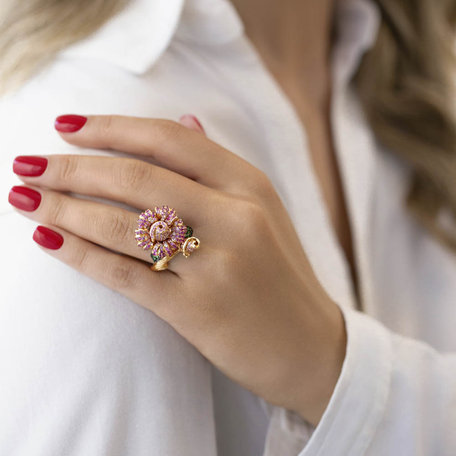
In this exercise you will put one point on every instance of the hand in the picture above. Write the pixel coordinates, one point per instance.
(248, 299)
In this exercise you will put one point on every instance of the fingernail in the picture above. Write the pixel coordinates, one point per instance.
(24, 198)
(47, 238)
(69, 123)
(29, 165)
(190, 121)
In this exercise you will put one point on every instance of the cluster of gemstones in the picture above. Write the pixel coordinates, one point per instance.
(161, 231)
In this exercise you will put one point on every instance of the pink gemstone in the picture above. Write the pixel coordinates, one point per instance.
(158, 250)
(160, 212)
(167, 248)
(171, 215)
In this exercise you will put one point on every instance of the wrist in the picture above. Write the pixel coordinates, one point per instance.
(323, 371)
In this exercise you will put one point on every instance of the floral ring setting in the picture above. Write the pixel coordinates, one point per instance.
(162, 232)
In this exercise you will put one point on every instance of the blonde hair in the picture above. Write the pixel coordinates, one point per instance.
(33, 31)
(405, 82)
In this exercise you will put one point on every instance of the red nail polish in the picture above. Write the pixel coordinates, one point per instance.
(69, 123)
(47, 238)
(24, 198)
(29, 165)
(190, 121)
(197, 122)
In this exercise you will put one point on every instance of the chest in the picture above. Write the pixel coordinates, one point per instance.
(325, 164)
(326, 167)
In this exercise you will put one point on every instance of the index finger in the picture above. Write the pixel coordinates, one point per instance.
(170, 144)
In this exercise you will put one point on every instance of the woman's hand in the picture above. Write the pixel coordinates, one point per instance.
(248, 299)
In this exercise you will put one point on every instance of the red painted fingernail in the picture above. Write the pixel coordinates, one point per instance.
(47, 238)
(69, 123)
(24, 198)
(190, 121)
(29, 165)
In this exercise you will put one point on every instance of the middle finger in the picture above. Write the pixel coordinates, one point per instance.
(134, 182)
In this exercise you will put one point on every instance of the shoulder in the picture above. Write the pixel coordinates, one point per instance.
(135, 38)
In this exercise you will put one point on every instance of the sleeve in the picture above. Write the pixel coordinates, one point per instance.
(394, 395)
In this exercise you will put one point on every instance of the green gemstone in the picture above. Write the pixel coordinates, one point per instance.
(154, 258)
(189, 232)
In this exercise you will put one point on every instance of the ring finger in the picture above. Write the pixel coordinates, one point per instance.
(106, 225)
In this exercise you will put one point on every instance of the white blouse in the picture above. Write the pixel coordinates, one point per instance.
(85, 371)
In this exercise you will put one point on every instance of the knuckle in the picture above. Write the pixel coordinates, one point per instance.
(121, 275)
(114, 228)
(250, 215)
(68, 168)
(169, 129)
(105, 125)
(133, 175)
(263, 185)
(57, 210)
(81, 259)
(261, 188)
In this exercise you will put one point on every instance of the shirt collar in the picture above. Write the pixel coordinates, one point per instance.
(137, 36)
(211, 22)
(357, 25)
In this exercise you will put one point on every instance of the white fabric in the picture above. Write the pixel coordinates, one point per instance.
(84, 371)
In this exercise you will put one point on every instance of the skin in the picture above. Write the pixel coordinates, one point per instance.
(268, 325)
(294, 39)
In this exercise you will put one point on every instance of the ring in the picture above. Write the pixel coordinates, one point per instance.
(163, 232)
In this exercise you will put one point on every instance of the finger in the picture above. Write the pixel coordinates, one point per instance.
(170, 144)
(130, 277)
(127, 180)
(108, 226)
(191, 122)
